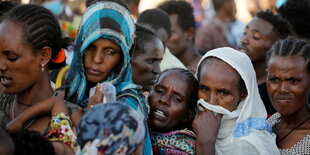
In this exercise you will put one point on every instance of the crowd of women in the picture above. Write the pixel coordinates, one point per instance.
(107, 106)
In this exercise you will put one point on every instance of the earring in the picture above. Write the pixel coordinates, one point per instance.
(42, 67)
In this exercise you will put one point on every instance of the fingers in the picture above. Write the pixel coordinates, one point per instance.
(98, 94)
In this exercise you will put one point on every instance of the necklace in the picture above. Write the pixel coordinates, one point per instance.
(28, 105)
(13, 113)
(301, 123)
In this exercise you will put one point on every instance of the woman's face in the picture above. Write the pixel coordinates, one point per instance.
(219, 84)
(288, 83)
(100, 58)
(145, 65)
(169, 101)
(20, 68)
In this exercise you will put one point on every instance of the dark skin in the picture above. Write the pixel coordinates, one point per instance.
(18, 60)
(182, 46)
(169, 103)
(258, 38)
(288, 85)
(218, 85)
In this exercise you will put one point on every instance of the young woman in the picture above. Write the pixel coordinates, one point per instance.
(102, 55)
(233, 117)
(288, 85)
(173, 101)
(30, 39)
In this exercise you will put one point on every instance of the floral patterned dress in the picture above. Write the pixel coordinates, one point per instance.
(61, 130)
(181, 142)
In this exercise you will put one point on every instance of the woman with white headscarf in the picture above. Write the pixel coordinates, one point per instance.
(232, 117)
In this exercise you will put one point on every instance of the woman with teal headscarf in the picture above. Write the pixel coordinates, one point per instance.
(105, 36)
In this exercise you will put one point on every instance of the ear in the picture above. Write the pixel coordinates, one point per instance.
(244, 94)
(190, 33)
(45, 55)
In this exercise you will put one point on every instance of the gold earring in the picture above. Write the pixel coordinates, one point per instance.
(42, 67)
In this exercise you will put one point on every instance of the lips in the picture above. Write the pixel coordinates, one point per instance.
(159, 114)
(92, 71)
(243, 49)
(5, 81)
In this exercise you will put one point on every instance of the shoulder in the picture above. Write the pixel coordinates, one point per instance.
(275, 118)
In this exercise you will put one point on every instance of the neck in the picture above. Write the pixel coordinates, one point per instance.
(188, 56)
(260, 70)
(41, 90)
(290, 121)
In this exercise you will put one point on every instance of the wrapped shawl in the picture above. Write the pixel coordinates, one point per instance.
(111, 21)
(112, 128)
(244, 130)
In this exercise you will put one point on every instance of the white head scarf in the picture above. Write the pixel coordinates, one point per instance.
(248, 122)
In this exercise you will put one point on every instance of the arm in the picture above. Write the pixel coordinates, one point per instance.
(206, 127)
(51, 106)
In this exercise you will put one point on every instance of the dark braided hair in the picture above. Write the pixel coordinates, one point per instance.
(193, 83)
(291, 47)
(6, 6)
(184, 11)
(280, 26)
(40, 27)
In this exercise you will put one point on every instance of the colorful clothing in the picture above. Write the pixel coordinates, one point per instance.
(180, 142)
(245, 129)
(61, 130)
(112, 128)
(112, 21)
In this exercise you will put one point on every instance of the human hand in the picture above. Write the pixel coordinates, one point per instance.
(96, 98)
(206, 126)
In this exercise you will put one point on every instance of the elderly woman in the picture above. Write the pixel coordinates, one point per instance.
(172, 107)
(233, 117)
(288, 87)
(102, 55)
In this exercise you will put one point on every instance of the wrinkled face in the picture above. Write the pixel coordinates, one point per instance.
(145, 65)
(177, 42)
(257, 39)
(219, 84)
(100, 58)
(20, 68)
(288, 83)
(169, 101)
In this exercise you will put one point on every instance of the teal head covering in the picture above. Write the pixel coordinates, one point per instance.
(102, 20)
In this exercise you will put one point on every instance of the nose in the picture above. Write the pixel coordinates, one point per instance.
(165, 100)
(211, 99)
(244, 39)
(156, 68)
(97, 57)
(2, 65)
(283, 87)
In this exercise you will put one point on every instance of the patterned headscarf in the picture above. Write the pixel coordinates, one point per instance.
(102, 20)
(112, 128)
